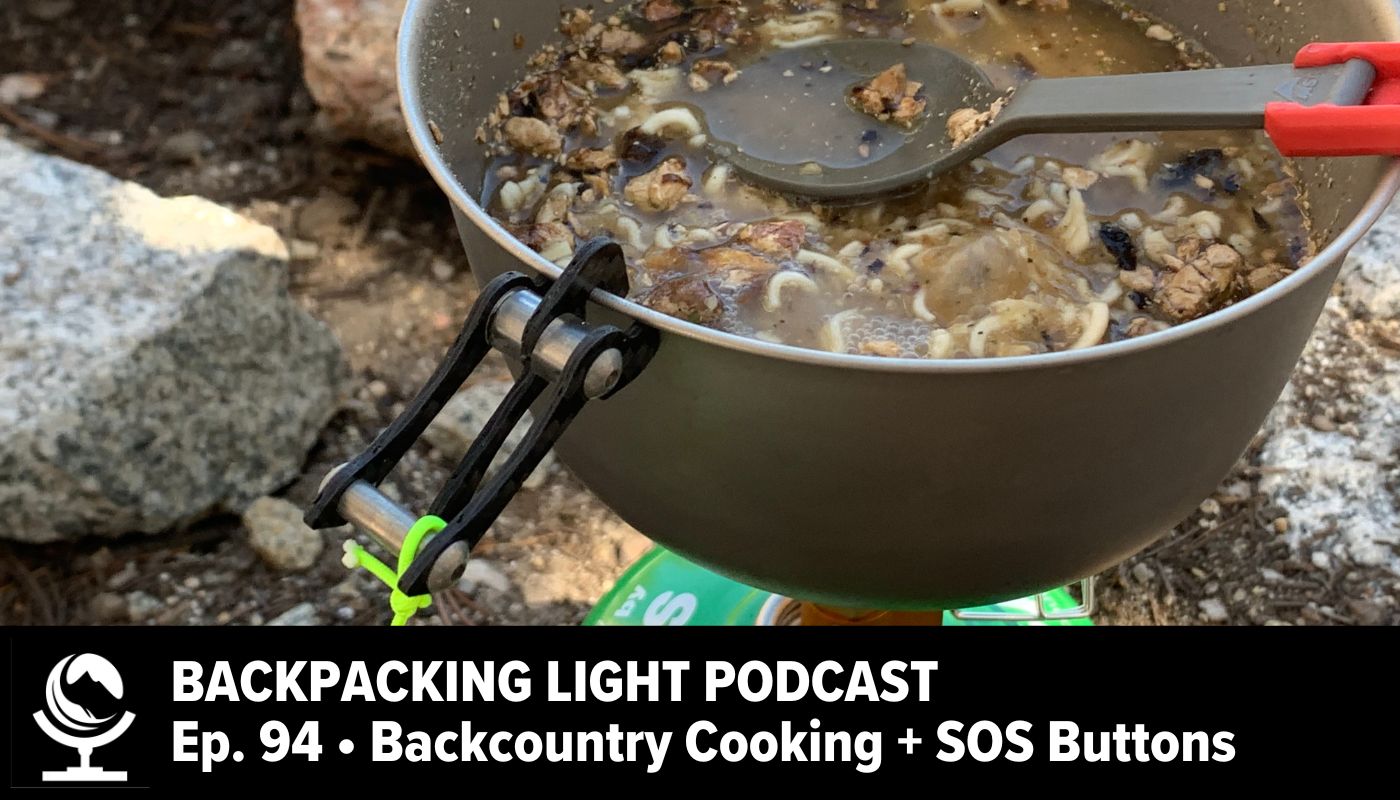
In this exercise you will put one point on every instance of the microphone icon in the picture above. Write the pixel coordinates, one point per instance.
(81, 693)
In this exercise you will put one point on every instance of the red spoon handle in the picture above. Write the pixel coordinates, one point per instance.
(1371, 129)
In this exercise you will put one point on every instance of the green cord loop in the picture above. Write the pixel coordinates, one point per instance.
(404, 607)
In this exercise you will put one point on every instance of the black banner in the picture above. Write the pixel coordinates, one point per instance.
(419, 708)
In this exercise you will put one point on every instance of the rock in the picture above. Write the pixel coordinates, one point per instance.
(632, 546)
(1370, 283)
(1331, 453)
(141, 606)
(187, 147)
(1214, 611)
(323, 217)
(236, 55)
(1366, 612)
(154, 368)
(301, 615)
(348, 49)
(124, 577)
(50, 10)
(21, 87)
(467, 413)
(481, 572)
(276, 533)
(108, 608)
(1142, 573)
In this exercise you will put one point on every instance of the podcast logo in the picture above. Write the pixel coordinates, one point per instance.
(83, 695)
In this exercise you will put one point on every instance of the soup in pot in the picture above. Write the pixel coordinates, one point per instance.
(1048, 244)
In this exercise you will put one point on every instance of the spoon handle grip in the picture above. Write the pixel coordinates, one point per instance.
(1369, 128)
(1213, 99)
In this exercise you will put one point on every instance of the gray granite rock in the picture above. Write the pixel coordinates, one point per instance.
(1332, 453)
(153, 368)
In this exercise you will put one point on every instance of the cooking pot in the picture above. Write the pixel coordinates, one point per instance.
(880, 483)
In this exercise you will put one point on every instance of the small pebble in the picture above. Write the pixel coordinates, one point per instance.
(1323, 424)
(300, 615)
(443, 271)
(276, 532)
(1143, 573)
(50, 10)
(481, 572)
(186, 147)
(108, 608)
(141, 606)
(1213, 610)
(126, 576)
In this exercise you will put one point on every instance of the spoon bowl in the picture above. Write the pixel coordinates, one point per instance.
(787, 122)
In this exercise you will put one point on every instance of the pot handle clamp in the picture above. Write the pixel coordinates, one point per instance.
(545, 327)
(1369, 129)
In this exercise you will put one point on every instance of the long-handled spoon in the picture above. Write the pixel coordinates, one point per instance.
(786, 123)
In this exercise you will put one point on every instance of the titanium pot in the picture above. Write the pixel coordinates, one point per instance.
(878, 483)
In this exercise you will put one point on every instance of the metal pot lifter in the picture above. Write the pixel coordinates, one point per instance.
(543, 327)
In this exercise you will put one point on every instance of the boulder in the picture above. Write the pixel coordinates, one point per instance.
(153, 368)
(1331, 457)
(348, 51)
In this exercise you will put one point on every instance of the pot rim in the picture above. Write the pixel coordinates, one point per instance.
(412, 38)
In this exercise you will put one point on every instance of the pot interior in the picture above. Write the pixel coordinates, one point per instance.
(464, 55)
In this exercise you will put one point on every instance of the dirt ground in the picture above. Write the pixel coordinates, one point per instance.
(206, 98)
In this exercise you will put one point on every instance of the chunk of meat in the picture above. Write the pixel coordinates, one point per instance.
(884, 348)
(591, 160)
(621, 42)
(598, 184)
(689, 297)
(1263, 277)
(965, 123)
(560, 103)
(891, 97)
(704, 298)
(1046, 5)
(662, 189)
(708, 260)
(734, 258)
(576, 22)
(671, 54)
(783, 237)
(1142, 279)
(533, 136)
(1202, 285)
(661, 10)
(1142, 326)
(712, 25)
(715, 70)
(597, 73)
(549, 239)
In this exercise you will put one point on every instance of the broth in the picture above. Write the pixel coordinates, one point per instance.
(1050, 243)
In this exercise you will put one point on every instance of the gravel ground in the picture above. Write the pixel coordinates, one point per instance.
(375, 256)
